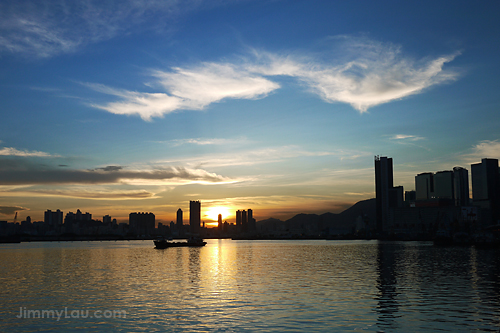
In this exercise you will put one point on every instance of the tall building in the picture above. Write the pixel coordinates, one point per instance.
(486, 188)
(424, 186)
(383, 182)
(244, 221)
(53, 218)
(142, 223)
(461, 186)
(195, 216)
(219, 220)
(443, 185)
(252, 224)
(179, 223)
(238, 220)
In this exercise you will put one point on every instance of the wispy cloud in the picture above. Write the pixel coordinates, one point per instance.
(406, 137)
(206, 141)
(9, 151)
(260, 156)
(92, 193)
(25, 173)
(369, 73)
(10, 210)
(46, 28)
(483, 149)
(188, 89)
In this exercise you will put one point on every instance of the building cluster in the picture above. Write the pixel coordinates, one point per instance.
(140, 225)
(245, 224)
(440, 201)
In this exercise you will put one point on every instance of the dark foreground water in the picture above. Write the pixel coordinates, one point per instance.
(248, 286)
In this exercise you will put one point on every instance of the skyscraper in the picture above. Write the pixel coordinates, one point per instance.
(424, 186)
(244, 221)
(486, 187)
(195, 216)
(180, 222)
(383, 182)
(461, 186)
(238, 220)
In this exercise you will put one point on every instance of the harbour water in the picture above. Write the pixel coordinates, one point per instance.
(249, 286)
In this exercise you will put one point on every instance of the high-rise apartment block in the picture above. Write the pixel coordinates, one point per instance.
(486, 187)
(386, 195)
(461, 186)
(195, 216)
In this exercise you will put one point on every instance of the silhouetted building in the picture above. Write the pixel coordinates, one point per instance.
(410, 196)
(443, 185)
(396, 197)
(244, 221)
(238, 220)
(180, 222)
(53, 218)
(383, 182)
(142, 223)
(424, 186)
(252, 224)
(219, 225)
(461, 186)
(106, 219)
(195, 216)
(486, 188)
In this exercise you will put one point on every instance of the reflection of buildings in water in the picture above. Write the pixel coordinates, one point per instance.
(387, 286)
(486, 276)
(194, 264)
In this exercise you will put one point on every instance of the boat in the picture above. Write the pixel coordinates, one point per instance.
(163, 243)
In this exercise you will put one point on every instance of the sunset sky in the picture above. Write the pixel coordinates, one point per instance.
(114, 107)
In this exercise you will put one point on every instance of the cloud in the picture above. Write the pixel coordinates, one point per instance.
(47, 28)
(407, 137)
(86, 193)
(26, 173)
(484, 149)
(207, 141)
(188, 89)
(110, 168)
(10, 210)
(7, 151)
(261, 156)
(368, 73)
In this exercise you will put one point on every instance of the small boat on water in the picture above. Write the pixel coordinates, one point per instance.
(163, 243)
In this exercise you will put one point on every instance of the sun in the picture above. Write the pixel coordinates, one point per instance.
(211, 214)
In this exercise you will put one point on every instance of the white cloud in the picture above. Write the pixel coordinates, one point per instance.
(485, 149)
(207, 141)
(260, 156)
(47, 28)
(407, 137)
(369, 73)
(192, 89)
(8, 151)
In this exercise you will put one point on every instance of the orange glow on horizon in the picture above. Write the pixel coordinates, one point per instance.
(211, 215)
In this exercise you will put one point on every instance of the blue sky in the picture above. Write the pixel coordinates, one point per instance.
(114, 107)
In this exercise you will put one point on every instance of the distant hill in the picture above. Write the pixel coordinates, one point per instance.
(313, 223)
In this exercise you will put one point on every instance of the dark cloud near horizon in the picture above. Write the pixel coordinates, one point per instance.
(10, 210)
(18, 172)
(110, 168)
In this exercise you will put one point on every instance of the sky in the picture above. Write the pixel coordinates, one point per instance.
(113, 107)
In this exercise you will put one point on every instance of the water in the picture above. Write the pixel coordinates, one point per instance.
(249, 286)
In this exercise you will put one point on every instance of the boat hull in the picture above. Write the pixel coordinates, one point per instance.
(165, 244)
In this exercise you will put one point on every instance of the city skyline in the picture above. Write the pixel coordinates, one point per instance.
(274, 105)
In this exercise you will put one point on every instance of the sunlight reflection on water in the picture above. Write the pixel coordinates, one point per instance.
(252, 286)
